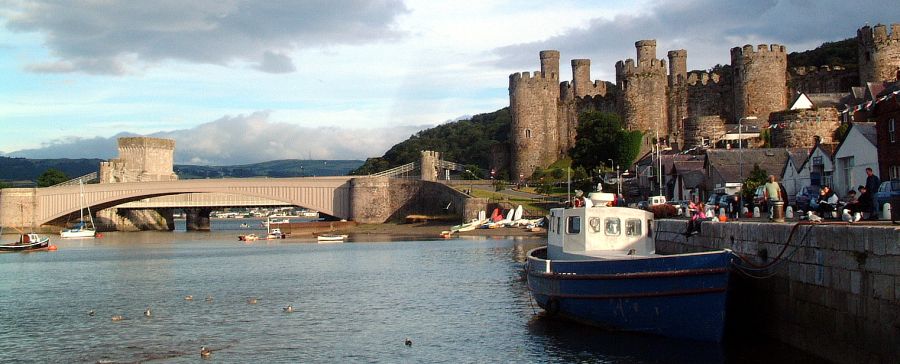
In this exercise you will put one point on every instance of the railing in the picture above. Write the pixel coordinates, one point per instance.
(453, 166)
(90, 177)
(396, 171)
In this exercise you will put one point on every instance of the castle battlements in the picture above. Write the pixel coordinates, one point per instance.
(703, 78)
(519, 79)
(628, 67)
(878, 35)
(811, 70)
(761, 50)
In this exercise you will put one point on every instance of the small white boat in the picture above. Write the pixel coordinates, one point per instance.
(82, 229)
(331, 238)
(29, 241)
(474, 224)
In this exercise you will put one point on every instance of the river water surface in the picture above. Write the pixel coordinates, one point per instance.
(457, 300)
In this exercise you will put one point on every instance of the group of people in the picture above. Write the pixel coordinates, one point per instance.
(855, 205)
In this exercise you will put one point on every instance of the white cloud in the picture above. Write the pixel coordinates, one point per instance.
(243, 139)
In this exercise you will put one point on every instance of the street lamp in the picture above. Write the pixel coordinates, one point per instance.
(741, 146)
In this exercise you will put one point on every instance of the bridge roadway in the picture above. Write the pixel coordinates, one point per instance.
(39, 206)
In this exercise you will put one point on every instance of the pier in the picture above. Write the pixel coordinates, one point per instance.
(829, 289)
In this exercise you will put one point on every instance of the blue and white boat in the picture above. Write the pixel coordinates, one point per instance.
(600, 268)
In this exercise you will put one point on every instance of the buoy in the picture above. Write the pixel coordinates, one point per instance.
(886, 211)
(756, 211)
(789, 212)
(723, 218)
(722, 211)
(99, 235)
(52, 248)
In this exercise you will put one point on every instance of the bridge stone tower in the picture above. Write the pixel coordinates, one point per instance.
(760, 82)
(879, 53)
(533, 103)
(677, 94)
(642, 84)
(141, 159)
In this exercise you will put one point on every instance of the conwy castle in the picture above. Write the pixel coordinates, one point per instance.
(684, 107)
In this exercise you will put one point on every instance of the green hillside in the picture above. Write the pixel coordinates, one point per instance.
(274, 169)
(23, 171)
(840, 53)
(466, 142)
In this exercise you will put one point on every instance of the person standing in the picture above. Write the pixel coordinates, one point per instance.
(772, 192)
(872, 184)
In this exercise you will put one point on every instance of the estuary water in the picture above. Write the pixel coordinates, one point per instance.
(458, 301)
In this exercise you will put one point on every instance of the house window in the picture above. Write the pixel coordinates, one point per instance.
(528, 133)
(894, 172)
(847, 164)
(892, 130)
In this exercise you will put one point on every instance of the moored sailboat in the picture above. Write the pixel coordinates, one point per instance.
(82, 229)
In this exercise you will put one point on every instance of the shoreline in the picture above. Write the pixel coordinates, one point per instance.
(430, 229)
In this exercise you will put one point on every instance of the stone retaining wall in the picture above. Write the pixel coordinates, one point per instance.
(834, 292)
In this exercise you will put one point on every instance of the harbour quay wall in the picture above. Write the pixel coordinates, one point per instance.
(832, 290)
(376, 200)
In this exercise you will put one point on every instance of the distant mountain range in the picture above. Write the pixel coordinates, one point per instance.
(23, 171)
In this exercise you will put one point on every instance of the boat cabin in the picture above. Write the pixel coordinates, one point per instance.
(600, 232)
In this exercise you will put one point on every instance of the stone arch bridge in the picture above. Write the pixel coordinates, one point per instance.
(363, 199)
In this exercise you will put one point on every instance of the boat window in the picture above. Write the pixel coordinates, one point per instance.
(558, 220)
(632, 227)
(649, 229)
(573, 225)
(613, 226)
(594, 222)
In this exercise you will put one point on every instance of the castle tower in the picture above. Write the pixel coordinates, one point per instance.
(533, 105)
(879, 53)
(581, 76)
(760, 82)
(677, 93)
(642, 87)
(140, 159)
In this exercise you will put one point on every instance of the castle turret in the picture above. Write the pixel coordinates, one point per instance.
(643, 90)
(533, 105)
(879, 53)
(760, 82)
(550, 63)
(141, 159)
(677, 93)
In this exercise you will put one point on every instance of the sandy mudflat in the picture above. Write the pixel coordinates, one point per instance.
(434, 230)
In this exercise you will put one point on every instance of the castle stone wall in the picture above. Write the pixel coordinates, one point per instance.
(140, 159)
(643, 90)
(677, 93)
(800, 128)
(760, 81)
(697, 128)
(879, 53)
(820, 80)
(534, 134)
(706, 94)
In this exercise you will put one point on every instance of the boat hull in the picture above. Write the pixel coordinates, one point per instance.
(42, 244)
(85, 233)
(682, 296)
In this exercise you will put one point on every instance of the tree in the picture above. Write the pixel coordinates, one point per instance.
(841, 132)
(602, 136)
(758, 177)
(51, 177)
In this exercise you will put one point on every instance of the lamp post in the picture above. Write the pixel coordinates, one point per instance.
(741, 146)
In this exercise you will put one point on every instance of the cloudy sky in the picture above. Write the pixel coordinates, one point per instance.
(246, 81)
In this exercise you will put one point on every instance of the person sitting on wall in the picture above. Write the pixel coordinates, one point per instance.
(698, 214)
(863, 204)
(851, 197)
(827, 202)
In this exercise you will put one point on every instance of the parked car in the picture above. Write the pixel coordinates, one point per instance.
(887, 191)
(806, 198)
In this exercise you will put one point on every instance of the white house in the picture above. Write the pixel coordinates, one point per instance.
(818, 170)
(851, 158)
(794, 176)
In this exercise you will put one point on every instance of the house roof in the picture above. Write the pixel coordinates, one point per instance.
(798, 156)
(727, 162)
(867, 130)
(835, 100)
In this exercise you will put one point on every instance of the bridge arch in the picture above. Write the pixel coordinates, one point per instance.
(329, 195)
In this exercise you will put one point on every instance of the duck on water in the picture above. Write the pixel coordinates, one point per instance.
(600, 267)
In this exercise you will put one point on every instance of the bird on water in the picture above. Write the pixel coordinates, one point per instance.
(408, 342)
(118, 318)
(288, 309)
(252, 301)
(148, 313)
(91, 313)
(209, 298)
(188, 298)
(205, 352)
